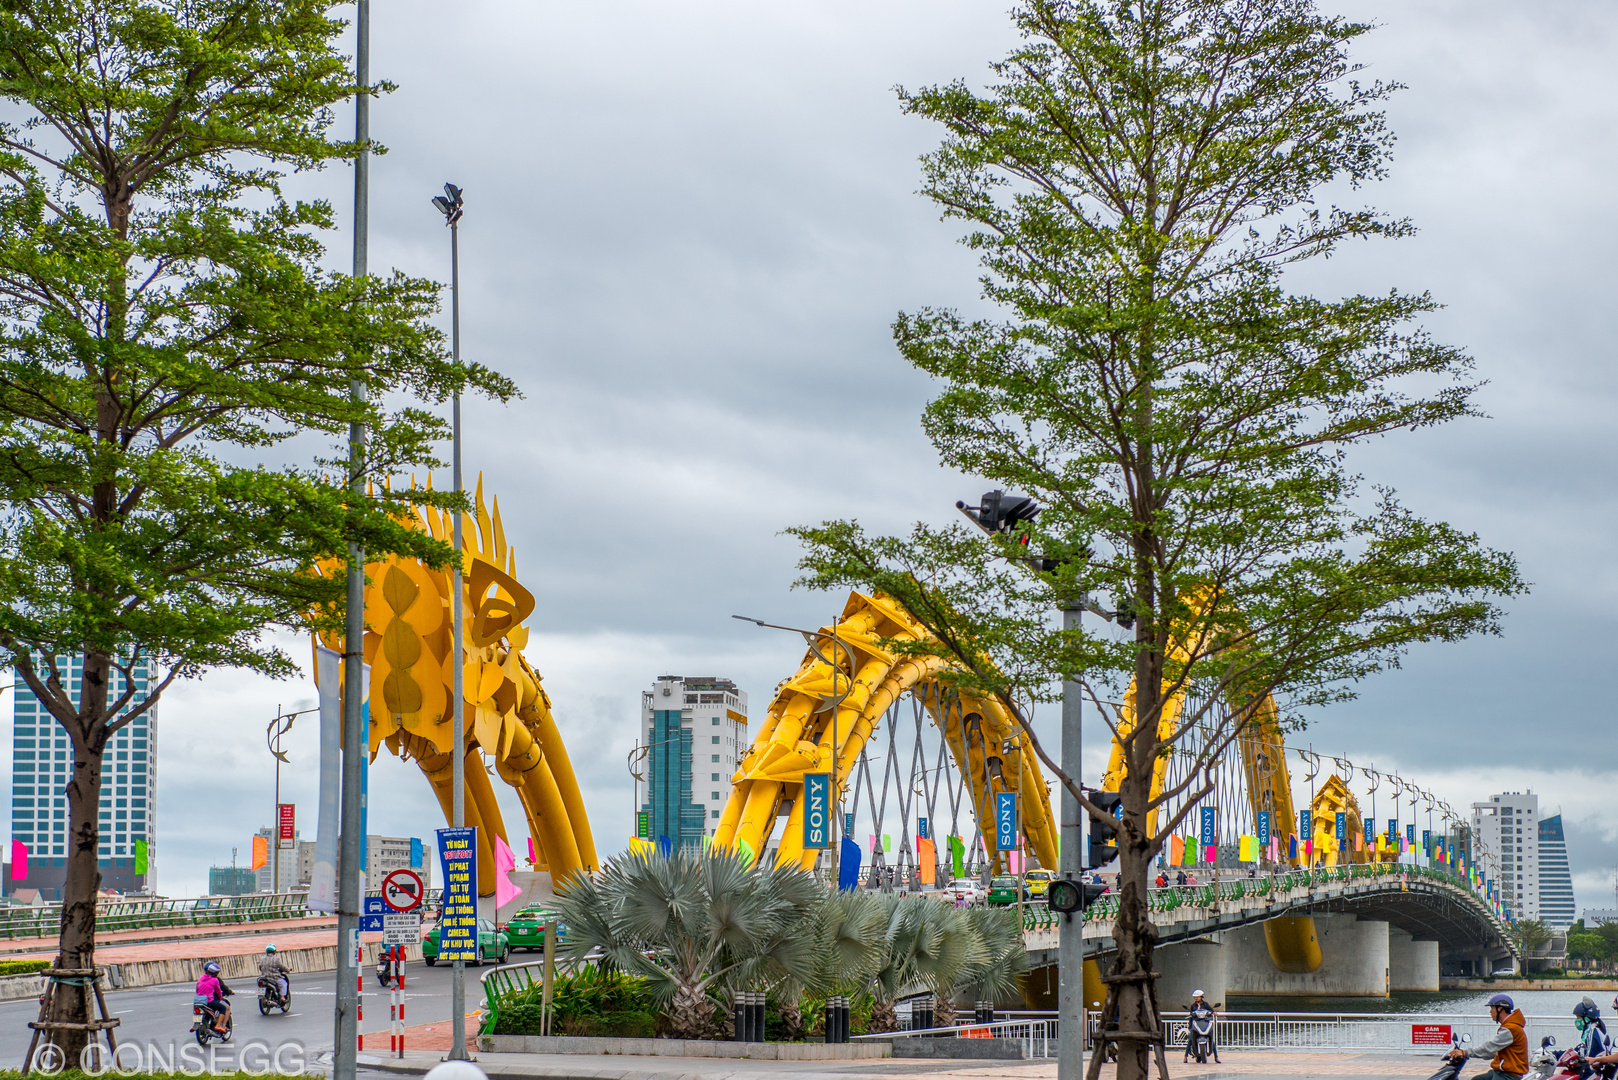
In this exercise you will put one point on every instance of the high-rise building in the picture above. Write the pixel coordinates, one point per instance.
(231, 880)
(1555, 878)
(695, 728)
(41, 768)
(1507, 828)
(385, 854)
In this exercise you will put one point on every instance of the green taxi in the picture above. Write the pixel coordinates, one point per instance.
(492, 945)
(1003, 890)
(526, 929)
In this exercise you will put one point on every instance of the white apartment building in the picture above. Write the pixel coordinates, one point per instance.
(1508, 828)
(695, 731)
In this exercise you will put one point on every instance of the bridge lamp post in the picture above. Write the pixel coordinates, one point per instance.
(832, 703)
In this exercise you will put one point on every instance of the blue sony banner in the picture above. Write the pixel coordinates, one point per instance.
(1209, 836)
(848, 824)
(1306, 818)
(1342, 828)
(1427, 842)
(1005, 821)
(817, 810)
(1264, 828)
(921, 828)
(1393, 830)
(458, 926)
(1370, 831)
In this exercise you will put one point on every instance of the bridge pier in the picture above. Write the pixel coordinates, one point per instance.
(1354, 961)
(1412, 964)
(1188, 966)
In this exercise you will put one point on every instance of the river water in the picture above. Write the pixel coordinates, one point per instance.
(1542, 1003)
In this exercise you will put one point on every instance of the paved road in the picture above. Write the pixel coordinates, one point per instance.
(160, 1016)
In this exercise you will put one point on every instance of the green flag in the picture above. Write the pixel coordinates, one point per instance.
(957, 856)
(746, 852)
(1190, 856)
(887, 842)
(140, 856)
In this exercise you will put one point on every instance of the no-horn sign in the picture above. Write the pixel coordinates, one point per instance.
(402, 891)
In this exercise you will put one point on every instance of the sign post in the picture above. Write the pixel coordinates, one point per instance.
(816, 810)
(458, 925)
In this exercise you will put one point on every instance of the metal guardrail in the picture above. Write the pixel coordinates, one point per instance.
(1386, 1032)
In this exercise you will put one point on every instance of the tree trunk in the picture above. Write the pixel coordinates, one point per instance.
(944, 1011)
(884, 1017)
(690, 1014)
(72, 1002)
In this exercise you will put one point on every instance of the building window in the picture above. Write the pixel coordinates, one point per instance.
(714, 814)
(714, 777)
(716, 740)
(716, 757)
(715, 795)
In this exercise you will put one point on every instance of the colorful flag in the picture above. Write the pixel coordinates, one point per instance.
(141, 861)
(1190, 851)
(926, 860)
(887, 842)
(848, 870)
(261, 852)
(957, 857)
(1176, 850)
(19, 860)
(505, 861)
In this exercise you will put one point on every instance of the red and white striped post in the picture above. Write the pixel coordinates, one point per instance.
(359, 1000)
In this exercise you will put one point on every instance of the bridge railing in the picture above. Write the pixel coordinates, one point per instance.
(1228, 889)
(116, 914)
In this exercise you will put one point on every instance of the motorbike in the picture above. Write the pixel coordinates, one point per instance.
(203, 1025)
(1199, 1027)
(1451, 1069)
(270, 996)
(387, 967)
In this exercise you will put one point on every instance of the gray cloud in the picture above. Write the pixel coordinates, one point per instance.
(689, 228)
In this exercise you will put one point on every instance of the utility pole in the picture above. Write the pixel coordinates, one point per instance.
(1070, 932)
(345, 1047)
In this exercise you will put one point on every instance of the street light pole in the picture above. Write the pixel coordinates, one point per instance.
(449, 204)
(277, 730)
(345, 1053)
(1070, 1010)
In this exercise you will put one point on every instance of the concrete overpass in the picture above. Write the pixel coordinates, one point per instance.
(1378, 928)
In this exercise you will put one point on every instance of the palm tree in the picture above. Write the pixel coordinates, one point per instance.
(926, 946)
(693, 921)
(1005, 952)
(1528, 934)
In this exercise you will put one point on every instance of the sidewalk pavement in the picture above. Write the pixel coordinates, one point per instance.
(1253, 1066)
(34, 948)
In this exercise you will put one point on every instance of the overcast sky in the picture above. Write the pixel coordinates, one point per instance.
(688, 230)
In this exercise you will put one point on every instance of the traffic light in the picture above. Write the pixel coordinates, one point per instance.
(1065, 896)
(998, 512)
(1104, 826)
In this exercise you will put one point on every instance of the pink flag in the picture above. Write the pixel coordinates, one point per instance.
(876, 844)
(1210, 854)
(1014, 861)
(19, 860)
(504, 863)
(533, 856)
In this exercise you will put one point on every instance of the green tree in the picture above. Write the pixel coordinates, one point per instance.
(1528, 935)
(694, 922)
(167, 328)
(926, 946)
(1136, 178)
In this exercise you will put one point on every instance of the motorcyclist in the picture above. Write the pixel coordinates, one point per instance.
(1506, 1049)
(271, 967)
(1594, 1042)
(1199, 1007)
(212, 992)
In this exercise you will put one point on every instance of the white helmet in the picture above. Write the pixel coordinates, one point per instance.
(1196, 993)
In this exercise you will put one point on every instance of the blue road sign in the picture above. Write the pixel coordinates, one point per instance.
(371, 915)
(817, 810)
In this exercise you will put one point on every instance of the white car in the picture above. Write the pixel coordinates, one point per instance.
(966, 891)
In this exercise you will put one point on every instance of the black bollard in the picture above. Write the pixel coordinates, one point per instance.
(842, 1022)
(760, 1001)
(739, 1017)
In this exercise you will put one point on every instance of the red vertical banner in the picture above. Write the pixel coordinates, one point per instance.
(287, 821)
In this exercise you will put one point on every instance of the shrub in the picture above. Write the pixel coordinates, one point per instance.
(591, 1001)
(22, 967)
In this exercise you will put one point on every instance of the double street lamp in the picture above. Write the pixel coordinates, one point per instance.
(450, 205)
